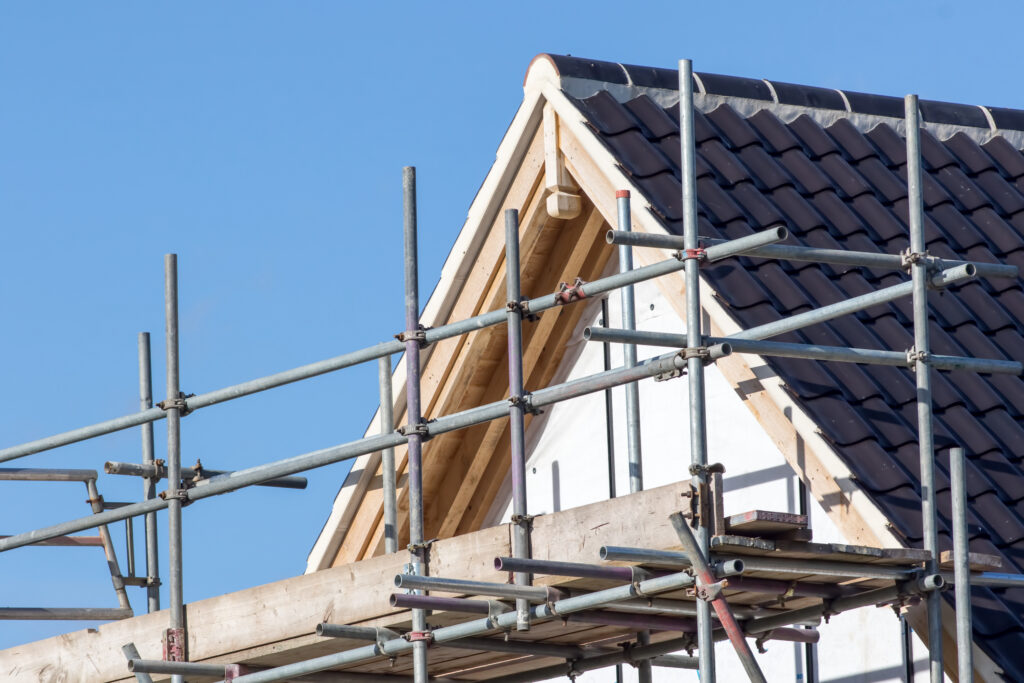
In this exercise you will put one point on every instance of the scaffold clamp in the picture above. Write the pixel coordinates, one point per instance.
(180, 404)
(567, 294)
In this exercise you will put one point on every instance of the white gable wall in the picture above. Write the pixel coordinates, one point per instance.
(567, 467)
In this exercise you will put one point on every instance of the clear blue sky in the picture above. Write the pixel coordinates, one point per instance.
(263, 143)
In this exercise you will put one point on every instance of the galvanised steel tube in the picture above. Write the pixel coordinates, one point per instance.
(919, 282)
(390, 486)
(65, 613)
(706, 578)
(485, 644)
(840, 354)
(990, 579)
(171, 407)
(34, 474)
(516, 413)
(130, 653)
(675, 559)
(857, 303)
(96, 502)
(159, 666)
(609, 413)
(155, 472)
(497, 590)
(961, 566)
(576, 569)
(476, 627)
(628, 305)
(658, 365)
(695, 364)
(412, 408)
(149, 483)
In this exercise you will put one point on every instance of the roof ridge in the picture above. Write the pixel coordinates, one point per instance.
(583, 77)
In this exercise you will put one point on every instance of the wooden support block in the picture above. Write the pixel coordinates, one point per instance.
(978, 562)
(764, 523)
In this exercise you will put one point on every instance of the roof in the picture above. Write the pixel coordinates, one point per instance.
(831, 166)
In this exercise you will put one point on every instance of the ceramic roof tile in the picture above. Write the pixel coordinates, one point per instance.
(1005, 197)
(849, 191)
(972, 157)
(1010, 160)
(885, 183)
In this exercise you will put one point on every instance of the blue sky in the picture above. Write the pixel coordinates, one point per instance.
(263, 143)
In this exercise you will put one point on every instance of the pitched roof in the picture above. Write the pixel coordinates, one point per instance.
(831, 166)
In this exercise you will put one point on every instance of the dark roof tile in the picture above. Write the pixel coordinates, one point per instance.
(971, 157)
(951, 113)
(808, 96)
(874, 468)
(957, 185)
(724, 162)
(842, 221)
(974, 437)
(1009, 430)
(778, 136)
(956, 227)
(650, 77)
(798, 213)
(814, 138)
(718, 204)
(606, 114)
(879, 105)
(1012, 119)
(1006, 527)
(762, 213)
(982, 307)
(734, 127)
(885, 183)
(1003, 195)
(844, 176)
(879, 219)
(890, 143)
(1009, 158)
(842, 426)
(638, 156)
(934, 153)
(886, 424)
(810, 178)
(654, 119)
(763, 168)
(1001, 474)
(735, 86)
(854, 144)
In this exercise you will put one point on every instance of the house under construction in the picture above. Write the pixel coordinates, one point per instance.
(714, 367)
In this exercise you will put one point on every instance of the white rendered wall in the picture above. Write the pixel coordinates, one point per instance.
(567, 467)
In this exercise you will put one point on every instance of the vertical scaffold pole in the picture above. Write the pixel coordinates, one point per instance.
(694, 364)
(387, 425)
(961, 567)
(919, 272)
(609, 412)
(412, 337)
(516, 412)
(149, 483)
(636, 476)
(176, 640)
(636, 471)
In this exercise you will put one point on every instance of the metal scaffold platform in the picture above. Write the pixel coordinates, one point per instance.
(748, 577)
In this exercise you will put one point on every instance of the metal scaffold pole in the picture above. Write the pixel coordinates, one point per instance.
(412, 337)
(149, 483)
(521, 520)
(176, 639)
(635, 458)
(961, 566)
(694, 363)
(917, 258)
(387, 426)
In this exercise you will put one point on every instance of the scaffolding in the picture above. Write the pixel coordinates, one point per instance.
(676, 592)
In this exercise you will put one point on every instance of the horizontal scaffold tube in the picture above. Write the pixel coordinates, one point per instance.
(676, 559)
(660, 365)
(133, 469)
(790, 252)
(476, 627)
(65, 613)
(34, 474)
(841, 354)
